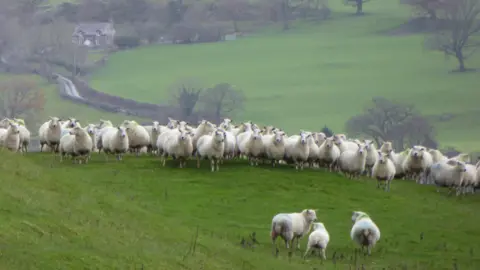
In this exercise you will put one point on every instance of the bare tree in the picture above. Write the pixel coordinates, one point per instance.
(460, 38)
(223, 100)
(186, 94)
(356, 3)
(385, 120)
(426, 8)
(20, 97)
(282, 10)
(232, 10)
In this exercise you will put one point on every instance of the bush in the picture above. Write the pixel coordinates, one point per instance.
(127, 42)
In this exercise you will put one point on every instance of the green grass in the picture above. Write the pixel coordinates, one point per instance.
(136, 213)
(316, 74)
(57, 106)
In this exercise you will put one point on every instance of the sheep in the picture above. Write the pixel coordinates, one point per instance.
(314, 152)
(91, 129)
(364, 231)
(154, 132)
(343, 144)
(372, 156)
(469, 179)
(179, 145)
(49, 133)
(77, 143)
(115, 141)
(437, 156)
(162, 138)
(398, 159)
(226, 124)
(462, 157)
(329, 153)
(230, 145)
(101, 128)
(137, 135)
(448, 174)
(5, 123)
(251, 145)
(291, 226)
(383, 170)
(204, 127)
(24, 132)
(417, 163)
(274, 145)
(70, 123)
(318, 239)
(211, 147)
(352, 162)
(297, 150)
(10, 137)
(386, 147)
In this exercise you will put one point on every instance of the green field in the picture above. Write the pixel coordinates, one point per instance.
(138, 215)
(318, 73)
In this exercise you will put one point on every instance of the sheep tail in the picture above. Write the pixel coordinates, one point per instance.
(276, 230)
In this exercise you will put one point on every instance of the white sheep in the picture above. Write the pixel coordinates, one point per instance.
(77, 143)
(162, 138)
(226, 124)
(115, 141)
(329, 153)
(137, 135)
(398, 159)
(364, 231)
(49, 133)
(470, 179)
(230, 145)
(24, 135)
(352, 162)
(154, 132)
(417, 162)
(386, 147)
(318, 240)
(437, 156)
(448, 174)
(70, 123)
(250, 144)
(91, 129)
(383, 170)
(211, 147)
(101, 128)
(179, 146)
(291, 226)
(10, 137)
(313, 152)
(343, 144)
(372, 156)
(274, 146)
(319, 137)
(204, 127)
(297, 149)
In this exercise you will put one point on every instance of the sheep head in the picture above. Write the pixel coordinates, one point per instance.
(357, 215)
(318, 226)
(310, 215)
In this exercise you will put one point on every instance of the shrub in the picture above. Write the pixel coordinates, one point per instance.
(127, 42)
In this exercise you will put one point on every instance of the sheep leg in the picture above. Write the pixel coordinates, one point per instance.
(212, 164)
(322, 252)
(369, 249)
(198, 162)
(218, 165)
(306, 252)
(274, 246)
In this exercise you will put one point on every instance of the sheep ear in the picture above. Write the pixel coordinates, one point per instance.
(451, 162)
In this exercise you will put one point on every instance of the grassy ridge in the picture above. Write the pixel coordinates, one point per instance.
(133, 214)
(318, 73)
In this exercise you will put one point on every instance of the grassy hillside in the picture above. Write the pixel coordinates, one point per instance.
(137, 215)
(318, 73)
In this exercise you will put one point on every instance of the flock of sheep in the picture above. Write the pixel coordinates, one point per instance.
(293, 226)
(226, 141)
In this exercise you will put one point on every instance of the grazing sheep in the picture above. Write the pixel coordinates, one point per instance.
(313, 153)
(291, 226)
(274, 146)
(77, 143)
(469, 179)
(318, 240)
(115, 141)
(297, 150)
(230, 144)
(10, 137)
(49, 133)
(204, 127)
(137, 135)
(352, 162)
(383, 170)
(211, 147)
(417, 163)
(343, 144)
(179, 145)
(329, 153)
(250, 144)
(364, 231)
(448, 174)
(24, 135)
(91, 129)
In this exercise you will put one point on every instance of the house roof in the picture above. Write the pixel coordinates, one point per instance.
(92, 28)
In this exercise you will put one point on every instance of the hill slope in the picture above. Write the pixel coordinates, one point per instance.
(316, 74)
(136, 214)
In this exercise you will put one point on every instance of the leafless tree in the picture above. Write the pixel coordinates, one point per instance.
(185, 94)
(223, 100)
(20, 97)
(356, 3)
(426, 8)
(232, 10)
(461, 36)
(385, 120)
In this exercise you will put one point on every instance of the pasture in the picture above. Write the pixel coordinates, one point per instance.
(317, 73)
(137, 215)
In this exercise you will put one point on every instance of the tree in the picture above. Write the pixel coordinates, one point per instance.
(460, 38)
(425, 7)
(283, 10)
(223, 100)
(356, 3)
(328, 132)
(385, 120)
(20, 97)
(232, 10)
(186, 94)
